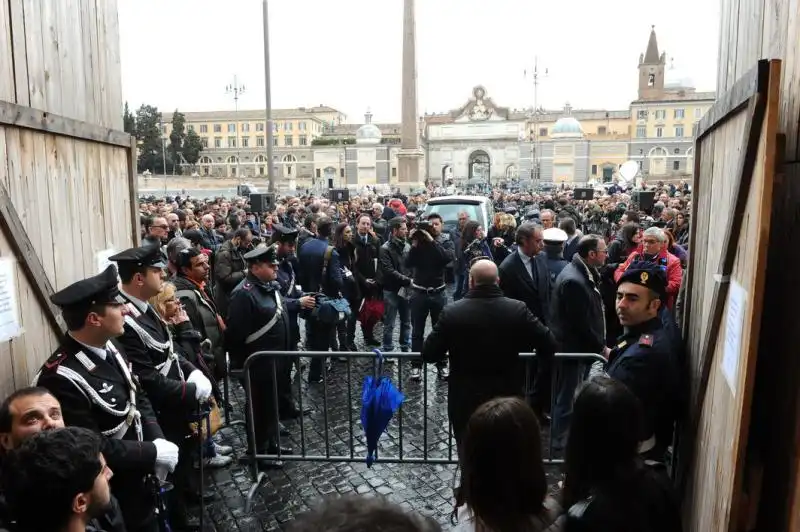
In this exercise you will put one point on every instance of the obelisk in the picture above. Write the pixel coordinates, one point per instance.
(409, 158)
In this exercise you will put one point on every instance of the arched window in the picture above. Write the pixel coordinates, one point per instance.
(658, 161)
(289, 165)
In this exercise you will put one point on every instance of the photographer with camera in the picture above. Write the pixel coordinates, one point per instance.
(431, 252)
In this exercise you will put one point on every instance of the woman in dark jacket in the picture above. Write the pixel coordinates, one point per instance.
(607, 485)
(473, 247)
(343, 243)
(626, 243)
(681, 230)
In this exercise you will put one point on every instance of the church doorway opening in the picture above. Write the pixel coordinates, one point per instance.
(608, 174)
(447, 174)
(480, 166)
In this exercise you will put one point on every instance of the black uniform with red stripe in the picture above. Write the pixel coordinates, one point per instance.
(104, 410)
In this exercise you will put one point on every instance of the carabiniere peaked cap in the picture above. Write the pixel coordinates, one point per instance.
(262, 253)
(101, 289)
(149, 256)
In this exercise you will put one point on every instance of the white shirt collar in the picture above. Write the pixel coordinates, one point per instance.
(100, 352)
(141, 305)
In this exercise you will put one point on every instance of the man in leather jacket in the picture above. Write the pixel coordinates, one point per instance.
(396, 281)
(259, 321)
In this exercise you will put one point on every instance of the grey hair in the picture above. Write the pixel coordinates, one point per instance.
(656, 233)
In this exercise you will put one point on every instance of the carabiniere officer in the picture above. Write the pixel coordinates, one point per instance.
(93, 381)
(259, 321)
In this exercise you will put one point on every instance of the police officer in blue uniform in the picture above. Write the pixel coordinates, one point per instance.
(553, 253)
(645, 357)
(259, 321)
(286, 241)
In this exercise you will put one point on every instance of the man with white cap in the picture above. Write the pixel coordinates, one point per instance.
(553, 253)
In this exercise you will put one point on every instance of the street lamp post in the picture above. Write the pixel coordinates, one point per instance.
(535, 149)
(268, 98)
(236, 90)
(163, 149)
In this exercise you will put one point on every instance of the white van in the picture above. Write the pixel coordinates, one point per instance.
(479, 208)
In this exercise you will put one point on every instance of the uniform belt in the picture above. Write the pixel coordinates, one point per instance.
(427, 289)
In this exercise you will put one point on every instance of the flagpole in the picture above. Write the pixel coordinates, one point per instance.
(268, 97)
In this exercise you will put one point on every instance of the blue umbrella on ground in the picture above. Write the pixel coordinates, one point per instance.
(379, 400)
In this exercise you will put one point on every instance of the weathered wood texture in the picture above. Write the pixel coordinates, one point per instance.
(764, 29)
(63, 161)
(736, 164)
(750, 30)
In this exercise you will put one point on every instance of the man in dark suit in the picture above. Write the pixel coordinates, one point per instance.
(483, 323)
(367, 244)
(319, 272)
(524, 276)
(578, 324)
(92, 382)
(175, 386)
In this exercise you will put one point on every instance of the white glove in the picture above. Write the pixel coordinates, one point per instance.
(202, 385)
(166, 453)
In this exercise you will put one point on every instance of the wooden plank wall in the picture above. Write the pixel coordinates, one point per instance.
(764, 29)
(72, 195)
(752, 30)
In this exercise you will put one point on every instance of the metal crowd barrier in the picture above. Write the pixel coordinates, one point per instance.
(253, 457)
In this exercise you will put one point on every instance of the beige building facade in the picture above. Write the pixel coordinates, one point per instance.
(479, 141)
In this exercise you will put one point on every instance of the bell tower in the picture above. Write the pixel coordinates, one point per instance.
(652, 67)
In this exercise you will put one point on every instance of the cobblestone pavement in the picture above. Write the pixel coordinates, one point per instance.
(298, 486)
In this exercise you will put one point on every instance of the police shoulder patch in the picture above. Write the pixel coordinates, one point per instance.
(55, 360)
(646, 340)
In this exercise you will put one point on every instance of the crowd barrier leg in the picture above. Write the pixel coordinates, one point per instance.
(254, 458)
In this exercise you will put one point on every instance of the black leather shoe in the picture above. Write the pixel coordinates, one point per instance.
(273, 449)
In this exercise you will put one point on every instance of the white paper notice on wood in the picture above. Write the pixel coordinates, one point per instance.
(734, 322)
(102, 259)
(9, 314)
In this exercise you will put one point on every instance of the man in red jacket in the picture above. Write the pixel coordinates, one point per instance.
(654, 249)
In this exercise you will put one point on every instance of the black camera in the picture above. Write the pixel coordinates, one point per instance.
(424, 225)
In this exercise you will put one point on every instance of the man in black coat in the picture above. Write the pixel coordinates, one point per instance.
(577, 321)
(92, 381)
(484, 333)
(367, 245)
(524, 276)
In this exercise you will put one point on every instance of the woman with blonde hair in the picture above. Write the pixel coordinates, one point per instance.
(503, 242)
(189, 343)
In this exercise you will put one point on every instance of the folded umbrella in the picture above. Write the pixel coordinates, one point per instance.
(379, 400)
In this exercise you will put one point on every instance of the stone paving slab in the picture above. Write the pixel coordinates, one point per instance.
(298, 486)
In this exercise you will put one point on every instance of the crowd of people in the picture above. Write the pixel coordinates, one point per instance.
(116, 413)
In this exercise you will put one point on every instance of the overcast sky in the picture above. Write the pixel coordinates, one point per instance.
(347, 53)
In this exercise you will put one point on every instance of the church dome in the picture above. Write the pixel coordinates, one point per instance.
(567, 127)
(369, 134)
(675, 78)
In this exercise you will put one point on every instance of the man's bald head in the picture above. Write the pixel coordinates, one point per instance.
(483, 273)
